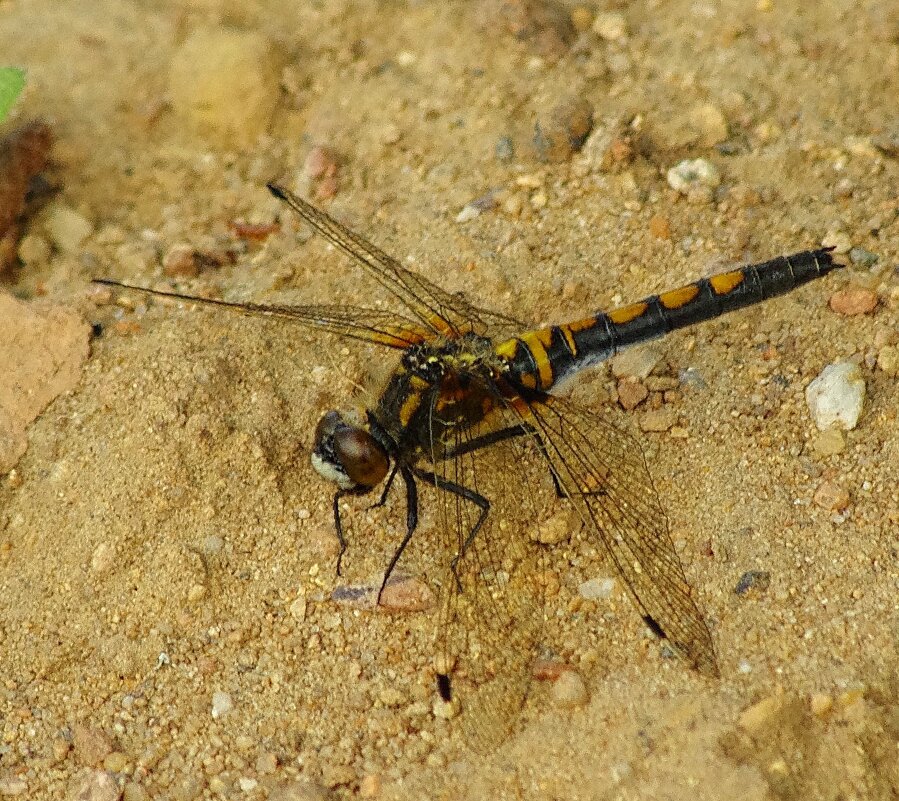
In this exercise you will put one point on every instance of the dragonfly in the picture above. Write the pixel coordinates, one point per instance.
(471, 414)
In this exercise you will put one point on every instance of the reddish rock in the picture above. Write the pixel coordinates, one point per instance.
(853, 301)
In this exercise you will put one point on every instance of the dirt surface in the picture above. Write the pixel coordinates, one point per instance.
(166, 550)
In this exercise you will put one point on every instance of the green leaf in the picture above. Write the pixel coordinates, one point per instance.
(12, 80)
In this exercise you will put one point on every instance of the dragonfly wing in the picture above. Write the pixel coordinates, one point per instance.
(491, 614)
(603, 472)
(369, 325)
(441, 312)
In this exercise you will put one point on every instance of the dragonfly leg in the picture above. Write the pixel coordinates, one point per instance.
(411, 520)
(338, 525)
(387, 485)
(469, 495)
(520, 430)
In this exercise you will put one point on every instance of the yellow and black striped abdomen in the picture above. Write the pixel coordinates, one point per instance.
(540, 358)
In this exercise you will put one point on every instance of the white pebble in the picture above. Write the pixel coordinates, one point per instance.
(569, 690)
(11, 786)
(836, 396)
(66, 228)
(297, 607)
(838, 240)
(221, 704)
(34, 250)
(692, 173)
(98, 785)
(469, 212)
(596, 589)
(103, 558)
(610, 25)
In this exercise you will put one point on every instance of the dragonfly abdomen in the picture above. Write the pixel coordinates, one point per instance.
(542, 357)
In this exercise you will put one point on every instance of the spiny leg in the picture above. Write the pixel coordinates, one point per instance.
(411, 522)
(338, 525)
(469, 495)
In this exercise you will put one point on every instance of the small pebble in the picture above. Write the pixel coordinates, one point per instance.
(692, 173)
(12, 786)
(563, 130)
(91, 745)
(581, 18)
(115, 762)
(266, 763)
(820, 704)
(300, 790)
(34, 251)
(196, 593)
(755, 581)
(555, 530)
(247, 784)
(862, 257)
(446, 710)
(96, 786)
(836, 397)
(135, 792)
(505, 149)
(610, 25)
(658, 420)
(370, 785)
(546, 28)
(103, 558)
(321, 167)
(853, 301)
(710, 122)
(60, 748)
(778, 769)
(67, 228)
(838, 240)
(548, 669)
(636, 362)
(631, 393)
(406, 594)
(569, 690)
(760, 715)
(888, 359)
(832, 496)
(390, 134)
(221, 704)
(596, 589)
(319, 163)
(297, 607)
(224, 84)
(513, 204)
(659, 227)
(829, 442)
(136, 257)
(181, 261)
(391, 697)
(474, 208)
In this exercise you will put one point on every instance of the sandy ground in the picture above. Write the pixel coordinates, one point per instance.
(164, 539)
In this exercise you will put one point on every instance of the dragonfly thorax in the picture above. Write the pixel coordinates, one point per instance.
(348, 454)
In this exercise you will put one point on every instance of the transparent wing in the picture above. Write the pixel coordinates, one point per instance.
(492, 608)
(369, 325)
(604, 474)
(437, 310)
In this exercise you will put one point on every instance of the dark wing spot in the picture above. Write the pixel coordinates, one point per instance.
(654, 627)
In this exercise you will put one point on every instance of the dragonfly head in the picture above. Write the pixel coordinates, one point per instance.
(348, 454)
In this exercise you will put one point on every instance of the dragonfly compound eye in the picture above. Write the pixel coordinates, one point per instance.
(348, 454)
